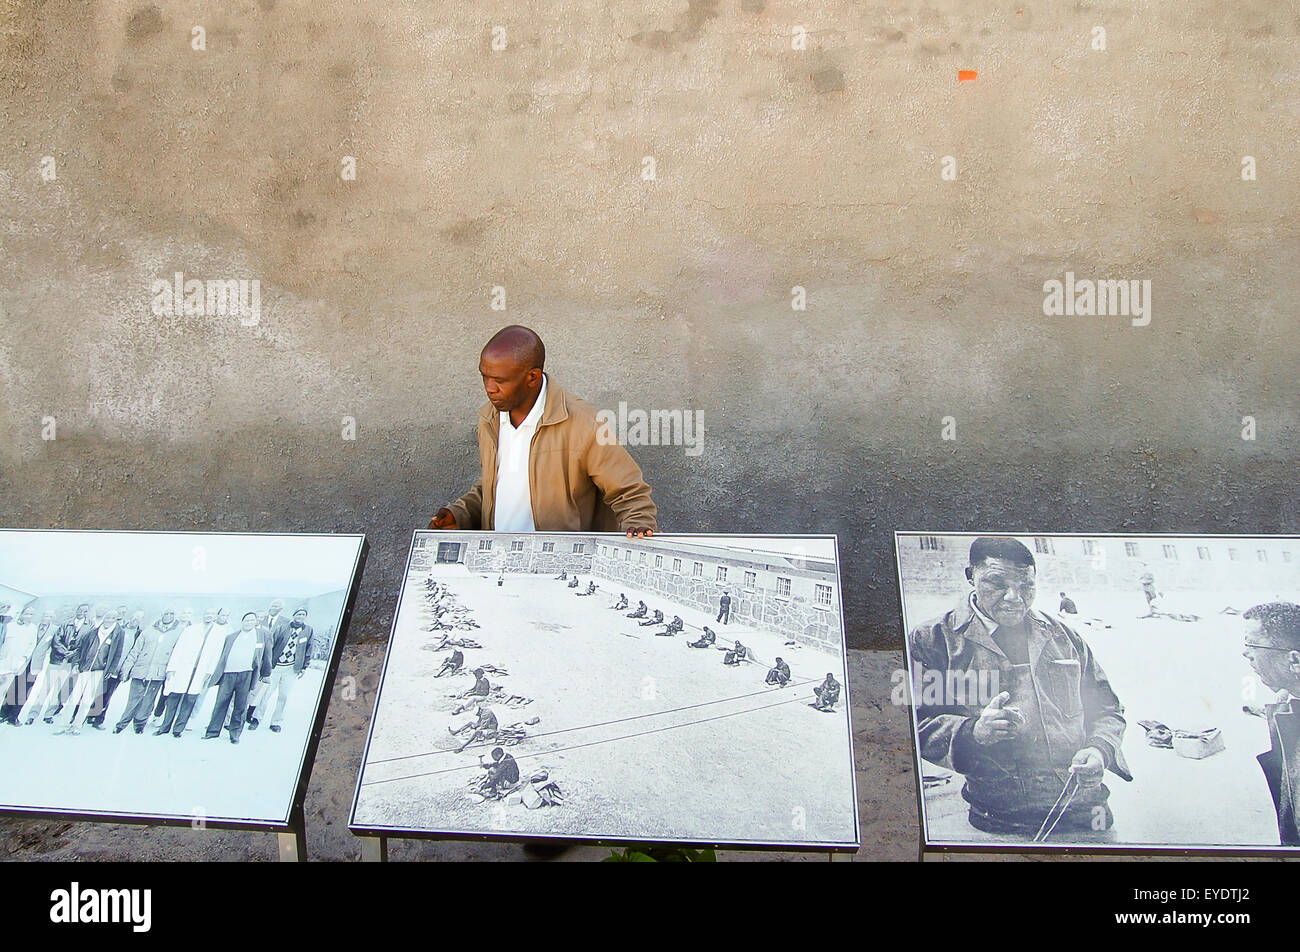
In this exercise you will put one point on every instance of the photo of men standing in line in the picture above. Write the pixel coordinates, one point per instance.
(137, 668)
(1151, 706)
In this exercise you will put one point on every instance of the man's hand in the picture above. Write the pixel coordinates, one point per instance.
(1089, 766)
(639, 533)
(443, 519)
(997, 723)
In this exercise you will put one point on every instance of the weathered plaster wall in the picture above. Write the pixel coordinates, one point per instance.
(775, 168)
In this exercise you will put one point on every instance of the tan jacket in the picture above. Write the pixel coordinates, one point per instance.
(576, 483)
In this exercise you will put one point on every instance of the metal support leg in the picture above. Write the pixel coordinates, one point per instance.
(293, 845)
(374, 849)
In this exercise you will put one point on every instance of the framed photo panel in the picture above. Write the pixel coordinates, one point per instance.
(167, 677)
(681, 689)
(1103, 692)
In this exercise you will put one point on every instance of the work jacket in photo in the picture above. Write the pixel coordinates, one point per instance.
(92, 652)
(147, 658)
(1063, 693)
(63, 650)
(576, 482)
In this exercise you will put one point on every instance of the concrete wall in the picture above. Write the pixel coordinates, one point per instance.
(775, 168)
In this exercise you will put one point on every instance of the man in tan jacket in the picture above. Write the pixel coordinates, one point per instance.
(543, 467)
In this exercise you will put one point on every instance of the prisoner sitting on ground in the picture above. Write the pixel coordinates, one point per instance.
(1056, 717)
(779, 674)
(658, 619)
(672, 628)
(705, 639)
(484, 727)
(573, 582)
(640, 610)
(591, 590)
(828, 692)
(584, 480)
(451, 665)
(481, 689)
(621, 604)
(736, 654)
(502, 773)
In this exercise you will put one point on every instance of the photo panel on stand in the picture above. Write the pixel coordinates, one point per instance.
(1103, 692)
(678, 688)
(165, 676)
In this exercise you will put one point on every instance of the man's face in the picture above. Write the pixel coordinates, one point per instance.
(1278, 668)
(169, 617)
(209, 616)
(506, 380)
(248, 622)
(223, 616)
(25, 617)
(82, 610)
(187, 616)
(47, 618)
(110, 619)
(1003, 590)
(277, 606)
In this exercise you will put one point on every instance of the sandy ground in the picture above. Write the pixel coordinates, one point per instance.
(648, 739)
(1187, 675)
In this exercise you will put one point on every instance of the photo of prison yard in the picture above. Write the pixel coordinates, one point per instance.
(1104, 691)
(524, 696)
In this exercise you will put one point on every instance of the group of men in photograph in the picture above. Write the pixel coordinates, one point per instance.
(66, 674)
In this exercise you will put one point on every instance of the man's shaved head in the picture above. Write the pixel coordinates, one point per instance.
(511, 368)
(518, 344)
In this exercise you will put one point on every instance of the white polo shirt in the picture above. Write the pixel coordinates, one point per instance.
(514, 498)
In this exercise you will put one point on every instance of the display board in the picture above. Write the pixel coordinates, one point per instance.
(167, 677)
(1103, 692)
(564, 685)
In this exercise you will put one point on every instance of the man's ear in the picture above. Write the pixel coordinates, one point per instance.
(970, 575)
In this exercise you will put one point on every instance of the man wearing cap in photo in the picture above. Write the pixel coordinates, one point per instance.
(288, 662)
(1043, 742)
(1272, 646)
(243, 660)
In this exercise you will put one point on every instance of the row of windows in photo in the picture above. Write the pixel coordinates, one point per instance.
(1046, 546)
(517, 545)
(822, 594)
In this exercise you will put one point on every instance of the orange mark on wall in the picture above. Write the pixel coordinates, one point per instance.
(965, 74)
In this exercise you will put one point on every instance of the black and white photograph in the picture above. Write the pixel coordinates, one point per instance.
(1104, 692)
(168, 676)
(587, 686)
